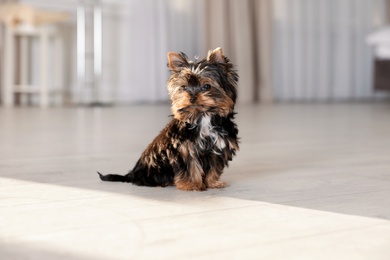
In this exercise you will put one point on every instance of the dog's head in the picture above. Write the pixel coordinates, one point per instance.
(199, 87)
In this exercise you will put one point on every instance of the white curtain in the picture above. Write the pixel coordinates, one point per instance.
(283, 49)
(241, 28)
(152, 29)
(320, 51)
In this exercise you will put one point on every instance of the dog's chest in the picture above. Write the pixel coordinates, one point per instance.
(210, 137)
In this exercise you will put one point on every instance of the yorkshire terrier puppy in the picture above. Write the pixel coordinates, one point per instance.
(193, 149)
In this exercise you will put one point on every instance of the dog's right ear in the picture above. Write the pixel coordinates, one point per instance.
(216, 56)
(176, 61)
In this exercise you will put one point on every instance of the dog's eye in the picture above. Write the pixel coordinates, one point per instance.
(184, 87)
(206, 87)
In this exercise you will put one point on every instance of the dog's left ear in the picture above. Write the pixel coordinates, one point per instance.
(176, 61)
(216, 56)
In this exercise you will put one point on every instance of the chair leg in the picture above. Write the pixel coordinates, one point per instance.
(24, 68)
(8, 68)
(44, 95)
(58, 67)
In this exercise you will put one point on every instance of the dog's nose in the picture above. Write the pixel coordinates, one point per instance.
(192, 99)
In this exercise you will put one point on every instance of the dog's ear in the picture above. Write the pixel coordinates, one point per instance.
(176, 61)
(216, 56)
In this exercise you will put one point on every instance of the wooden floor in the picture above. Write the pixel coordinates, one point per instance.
(310, 182)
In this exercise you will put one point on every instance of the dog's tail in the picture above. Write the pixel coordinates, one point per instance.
(115, 177)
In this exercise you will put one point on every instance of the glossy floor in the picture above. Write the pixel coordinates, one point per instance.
(310, 182)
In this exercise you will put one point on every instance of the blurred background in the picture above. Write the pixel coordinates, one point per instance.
(68, 52)
(313, 115)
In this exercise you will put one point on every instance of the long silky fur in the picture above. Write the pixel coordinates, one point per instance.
(201, 138)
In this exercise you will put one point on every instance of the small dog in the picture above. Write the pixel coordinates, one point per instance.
(193, 149)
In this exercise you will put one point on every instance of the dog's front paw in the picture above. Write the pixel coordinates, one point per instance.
(190, 187)
(216, 185)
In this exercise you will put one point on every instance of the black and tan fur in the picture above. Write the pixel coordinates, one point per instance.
(193, 149)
